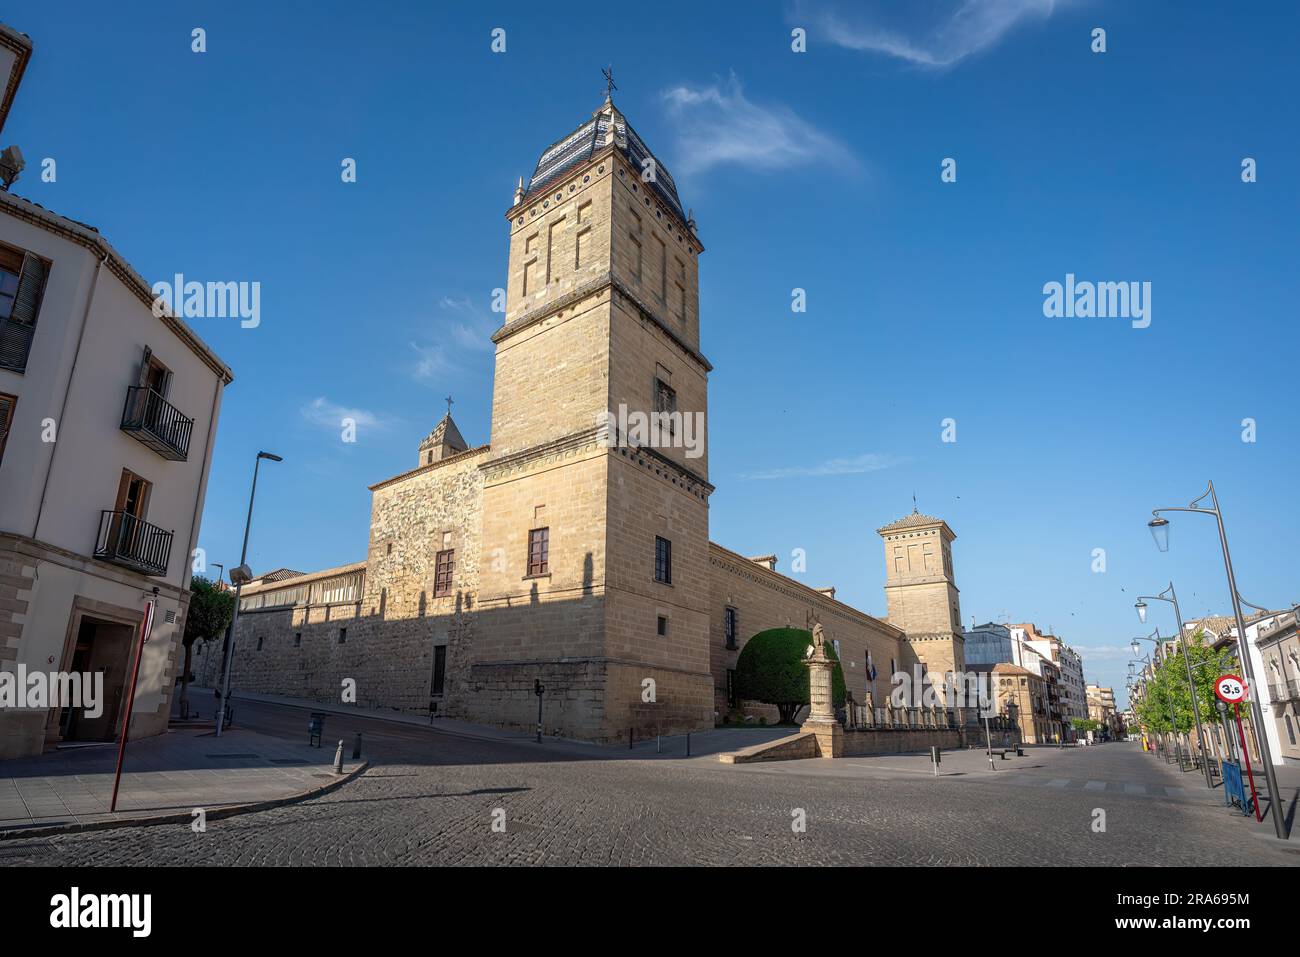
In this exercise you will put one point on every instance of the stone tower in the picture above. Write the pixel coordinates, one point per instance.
(602, 319)
(921, 592)
(445, 440)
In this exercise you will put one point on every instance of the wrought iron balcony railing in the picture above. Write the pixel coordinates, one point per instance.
(133, 543)
(157, 423)
(15, 343)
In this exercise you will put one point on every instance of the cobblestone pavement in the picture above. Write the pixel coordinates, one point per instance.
(433, 801)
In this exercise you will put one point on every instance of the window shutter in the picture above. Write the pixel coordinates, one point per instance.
(31, 285)
(16, 334)
(143, 375)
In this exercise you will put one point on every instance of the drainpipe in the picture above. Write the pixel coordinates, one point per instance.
(63, 407)
(203, 484)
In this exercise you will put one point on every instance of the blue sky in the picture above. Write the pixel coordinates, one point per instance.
(818, 170)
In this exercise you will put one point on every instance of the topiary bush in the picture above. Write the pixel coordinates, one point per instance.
(770, 669)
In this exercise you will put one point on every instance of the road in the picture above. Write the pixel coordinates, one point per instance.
(432, 798)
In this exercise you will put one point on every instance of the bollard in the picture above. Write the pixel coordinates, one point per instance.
(688, 744)
(338, 759)
(659, 741)
(356, 748)
(629, 739)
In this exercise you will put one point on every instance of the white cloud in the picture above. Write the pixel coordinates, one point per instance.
(462, 327)
(869, 462)
(718, 125)
(956, 29)
(330, 415)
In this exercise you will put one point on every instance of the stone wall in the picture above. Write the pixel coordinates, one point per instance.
(384, 642)
(766, 599)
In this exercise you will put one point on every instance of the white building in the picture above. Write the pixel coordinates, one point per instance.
(1074, 693)
(107, 420)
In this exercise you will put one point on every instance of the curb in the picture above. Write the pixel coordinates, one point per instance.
(184, 817)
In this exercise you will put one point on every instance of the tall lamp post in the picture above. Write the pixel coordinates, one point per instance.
(1160, 532)
(238, 576)
(1169, 595)
(1152, 660)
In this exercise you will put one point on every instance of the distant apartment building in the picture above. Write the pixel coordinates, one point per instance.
(988, 644)
(1022, 694)
(1101, 708)
(1074, 700)
(107, 419)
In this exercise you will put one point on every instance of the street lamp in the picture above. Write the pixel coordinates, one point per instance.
(1170, 596)
(1160, 532)
(239, 576)
(1257, 715)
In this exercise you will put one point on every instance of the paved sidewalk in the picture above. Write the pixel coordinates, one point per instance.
(168, 774)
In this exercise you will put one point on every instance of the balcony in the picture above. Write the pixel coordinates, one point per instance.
(133, 543)
(15, 343)
(157, 423)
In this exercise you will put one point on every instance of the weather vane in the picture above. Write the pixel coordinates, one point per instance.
(610, 85)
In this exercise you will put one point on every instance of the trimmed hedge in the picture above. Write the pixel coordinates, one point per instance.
(771, 669)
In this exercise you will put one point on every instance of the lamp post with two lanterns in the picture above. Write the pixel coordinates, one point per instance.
(1159, 527)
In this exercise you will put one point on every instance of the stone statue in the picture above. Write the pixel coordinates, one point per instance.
(819, 640)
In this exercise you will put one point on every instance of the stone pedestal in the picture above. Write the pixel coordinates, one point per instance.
(821, 712)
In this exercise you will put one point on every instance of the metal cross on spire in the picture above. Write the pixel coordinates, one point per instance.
(610, 85)
(914, 503)
(450, 403)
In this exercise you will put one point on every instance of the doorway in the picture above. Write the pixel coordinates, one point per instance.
(104, 647)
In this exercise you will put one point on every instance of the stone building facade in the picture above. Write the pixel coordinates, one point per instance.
(567, 550)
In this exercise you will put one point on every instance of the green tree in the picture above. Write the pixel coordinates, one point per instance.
(210, 611)
(1084, 725)
(1167, 699)
(771, 669)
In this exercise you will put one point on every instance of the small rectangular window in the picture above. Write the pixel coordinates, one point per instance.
(661, 626)
(729, 626)
(444, 569)
(343, 636)
(259, 643)
(731, 687)
(539, 557)
(663, 560)
(297, 639)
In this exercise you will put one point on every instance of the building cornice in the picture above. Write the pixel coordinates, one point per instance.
(739, 565)
(21, 46)
(88, 238)
(420, 470)
(591, 440)
(594, 287)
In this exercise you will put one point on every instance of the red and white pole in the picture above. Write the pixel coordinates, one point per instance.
(1245, 753)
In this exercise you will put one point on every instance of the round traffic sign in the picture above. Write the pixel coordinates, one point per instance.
(1230, 688)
